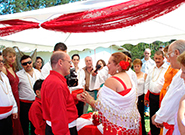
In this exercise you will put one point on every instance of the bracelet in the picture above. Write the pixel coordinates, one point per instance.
(91, 100)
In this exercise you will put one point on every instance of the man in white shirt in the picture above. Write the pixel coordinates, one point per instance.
(89, 79)
(147, 64)
(153, 84)
(170, 103)
(27, 77)
(47, 67)
(147, 61)
(8, 105)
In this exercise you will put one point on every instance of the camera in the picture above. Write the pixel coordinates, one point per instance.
(97, 68)
(72, 79)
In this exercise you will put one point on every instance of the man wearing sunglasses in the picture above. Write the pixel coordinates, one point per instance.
(27, 77)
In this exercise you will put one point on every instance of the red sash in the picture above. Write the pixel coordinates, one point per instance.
(78, 91)
(169, 127)
(148, 93)
(5, 109)
(26, 101)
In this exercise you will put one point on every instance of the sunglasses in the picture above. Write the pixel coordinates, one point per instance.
(25, 63)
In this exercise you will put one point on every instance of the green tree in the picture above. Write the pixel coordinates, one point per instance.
(137, 51)
(14, 6)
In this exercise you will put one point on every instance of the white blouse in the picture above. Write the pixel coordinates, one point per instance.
(141, 86)
(6, 96)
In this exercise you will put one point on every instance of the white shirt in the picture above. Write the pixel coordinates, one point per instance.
(81, 80)
(101, 77)
(6, 99)
(132, 75)
(26, 82)
(45, 70)
(170, 102)
(155, 78)
(141, 86)
(147, 65)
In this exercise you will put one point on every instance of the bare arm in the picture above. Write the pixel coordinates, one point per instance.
(180, 115)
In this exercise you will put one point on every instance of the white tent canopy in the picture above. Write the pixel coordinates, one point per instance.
(164, 28)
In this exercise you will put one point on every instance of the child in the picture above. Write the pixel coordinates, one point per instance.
(35, 112)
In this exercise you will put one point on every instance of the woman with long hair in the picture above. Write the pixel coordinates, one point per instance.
(9, 56)
(116, 100)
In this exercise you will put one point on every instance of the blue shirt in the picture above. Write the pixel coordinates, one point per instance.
(147, 65)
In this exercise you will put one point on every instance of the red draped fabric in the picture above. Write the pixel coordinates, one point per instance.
(116, 16)
(16, 26)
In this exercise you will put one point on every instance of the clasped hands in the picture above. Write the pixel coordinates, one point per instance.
(85, 97)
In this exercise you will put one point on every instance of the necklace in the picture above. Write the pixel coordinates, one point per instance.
(6, 92)
(30, 80)
(157, 76)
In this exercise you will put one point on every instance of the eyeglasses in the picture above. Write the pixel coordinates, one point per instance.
(70, 62)
(2, 61)
(170, 54)
(25, 63)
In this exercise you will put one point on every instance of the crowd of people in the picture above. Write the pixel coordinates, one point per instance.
(49, 98)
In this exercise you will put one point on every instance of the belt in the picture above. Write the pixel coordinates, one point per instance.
(169, 127)
(26, 101)
(90, 90)
(155, 93)
(5, 109)
(70, 125)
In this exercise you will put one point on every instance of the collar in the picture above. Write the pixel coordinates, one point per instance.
(61, 77)
(38, 99)
(11, 65)
(86, 69)
(164, 65)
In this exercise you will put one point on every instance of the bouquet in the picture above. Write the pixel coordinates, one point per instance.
(96, 118)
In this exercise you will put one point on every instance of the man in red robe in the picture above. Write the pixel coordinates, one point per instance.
(58, 104)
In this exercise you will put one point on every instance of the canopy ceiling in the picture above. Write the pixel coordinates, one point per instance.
(164, 28)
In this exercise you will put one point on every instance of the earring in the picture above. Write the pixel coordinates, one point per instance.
(117, 71)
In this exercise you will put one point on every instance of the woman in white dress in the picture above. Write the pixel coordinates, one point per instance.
(137, 63)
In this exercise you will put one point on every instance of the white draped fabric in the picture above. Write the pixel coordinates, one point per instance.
(170, 103)
(117, 109)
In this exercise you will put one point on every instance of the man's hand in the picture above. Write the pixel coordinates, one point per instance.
(158, 125)
(94, 73)
(146, 103)
(15, 115)
(79, 97)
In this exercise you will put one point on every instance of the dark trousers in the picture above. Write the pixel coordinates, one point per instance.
(154, 107)
(72, 130)
(6, 126)
(140, 106)
(80, 107)
(24, 109)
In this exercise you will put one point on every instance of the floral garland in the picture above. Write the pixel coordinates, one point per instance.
(124, 64)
